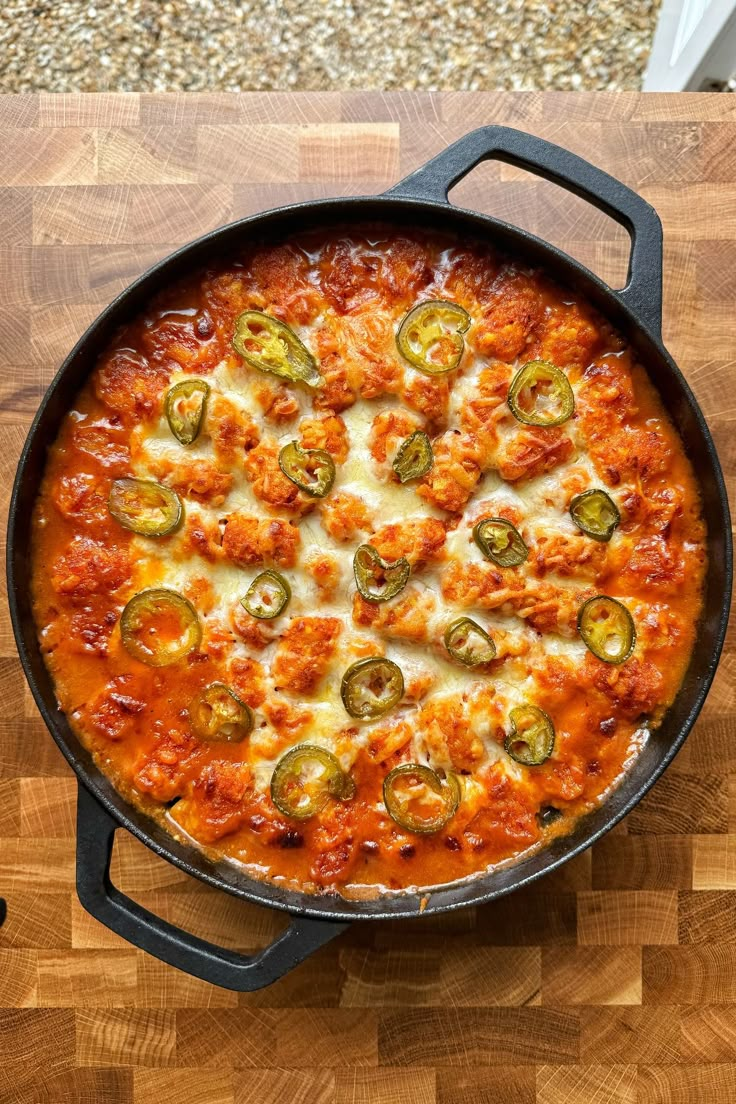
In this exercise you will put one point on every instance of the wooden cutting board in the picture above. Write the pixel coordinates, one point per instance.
(613, 980)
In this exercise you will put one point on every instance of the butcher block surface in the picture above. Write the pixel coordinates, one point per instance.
(611, 981)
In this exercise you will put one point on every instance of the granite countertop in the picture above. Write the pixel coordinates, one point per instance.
(319, 45)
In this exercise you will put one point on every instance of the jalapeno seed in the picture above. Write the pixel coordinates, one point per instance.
(377, 579)
(595, 514)
(371, 687)
(541, 395)
(418, 800)
(217, 713)
(184, 407)
(305, 779)
(430, 337)
(532, 736)
(312, 470)
(607, 629)
(159, 627)
(145, 507)
(266, 343)
(500, 541)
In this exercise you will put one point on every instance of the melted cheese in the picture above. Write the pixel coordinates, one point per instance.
(540, 500)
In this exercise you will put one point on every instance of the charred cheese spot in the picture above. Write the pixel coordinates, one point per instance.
(249, 540)
(129, 384)
(419, 540)
(232, 434)
(81, 497)
(344, 516)
(278, 403)
(389, 429)
(89, 567)
(455, 472)
(304, 652)
(327, 432)
(269, 483)
(510, 317)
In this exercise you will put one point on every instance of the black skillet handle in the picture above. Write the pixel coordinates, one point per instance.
(243, 973)
(643, 291)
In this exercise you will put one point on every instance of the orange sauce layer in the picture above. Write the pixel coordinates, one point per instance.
(346, 295)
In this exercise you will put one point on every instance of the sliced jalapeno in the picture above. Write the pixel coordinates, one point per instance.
(313, 470)
(305, 779)
(541, 395)
(184, 407)
(266, 343)
(377, 579)
(532, 735)
(218, 714)
(414, 458)
(418, 799)
(267, 596)
(607, 629)
(595, 514)
(468, 643)
(145, 507)
(371, 687)
(500, 541)
(159, 627)
(431, 338)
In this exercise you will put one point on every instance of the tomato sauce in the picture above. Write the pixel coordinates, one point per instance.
(345, 296)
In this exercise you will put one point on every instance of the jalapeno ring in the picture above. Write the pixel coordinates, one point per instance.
(305, 779)
(145, 507)
(430, 336)
(159, 627)
(217, 713)
(267, 596)
(468, 643)
(414, 458)
(607, 629)
(184, 408)
(266, 343)
(410, 786)
(379, 580)
(595, 514)
(532, 736)
(541, 395)
(500, 541)
(371, 687)
(312, 470)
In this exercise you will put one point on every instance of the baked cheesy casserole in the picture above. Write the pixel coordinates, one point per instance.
(368, 560)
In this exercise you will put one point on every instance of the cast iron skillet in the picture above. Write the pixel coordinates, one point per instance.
(422, 200)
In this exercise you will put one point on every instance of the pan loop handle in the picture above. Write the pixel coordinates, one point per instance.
(217, 965)
(643, 291)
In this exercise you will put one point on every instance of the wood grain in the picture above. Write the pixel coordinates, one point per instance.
(708, 1033)
(627, 919)
(614, 1084)
(591, 975)
(637, 1034)
(511, 1084)
(612, 980)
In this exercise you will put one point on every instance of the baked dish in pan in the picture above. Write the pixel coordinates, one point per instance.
(367, 560)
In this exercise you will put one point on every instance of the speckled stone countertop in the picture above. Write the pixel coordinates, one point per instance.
(315, 45)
